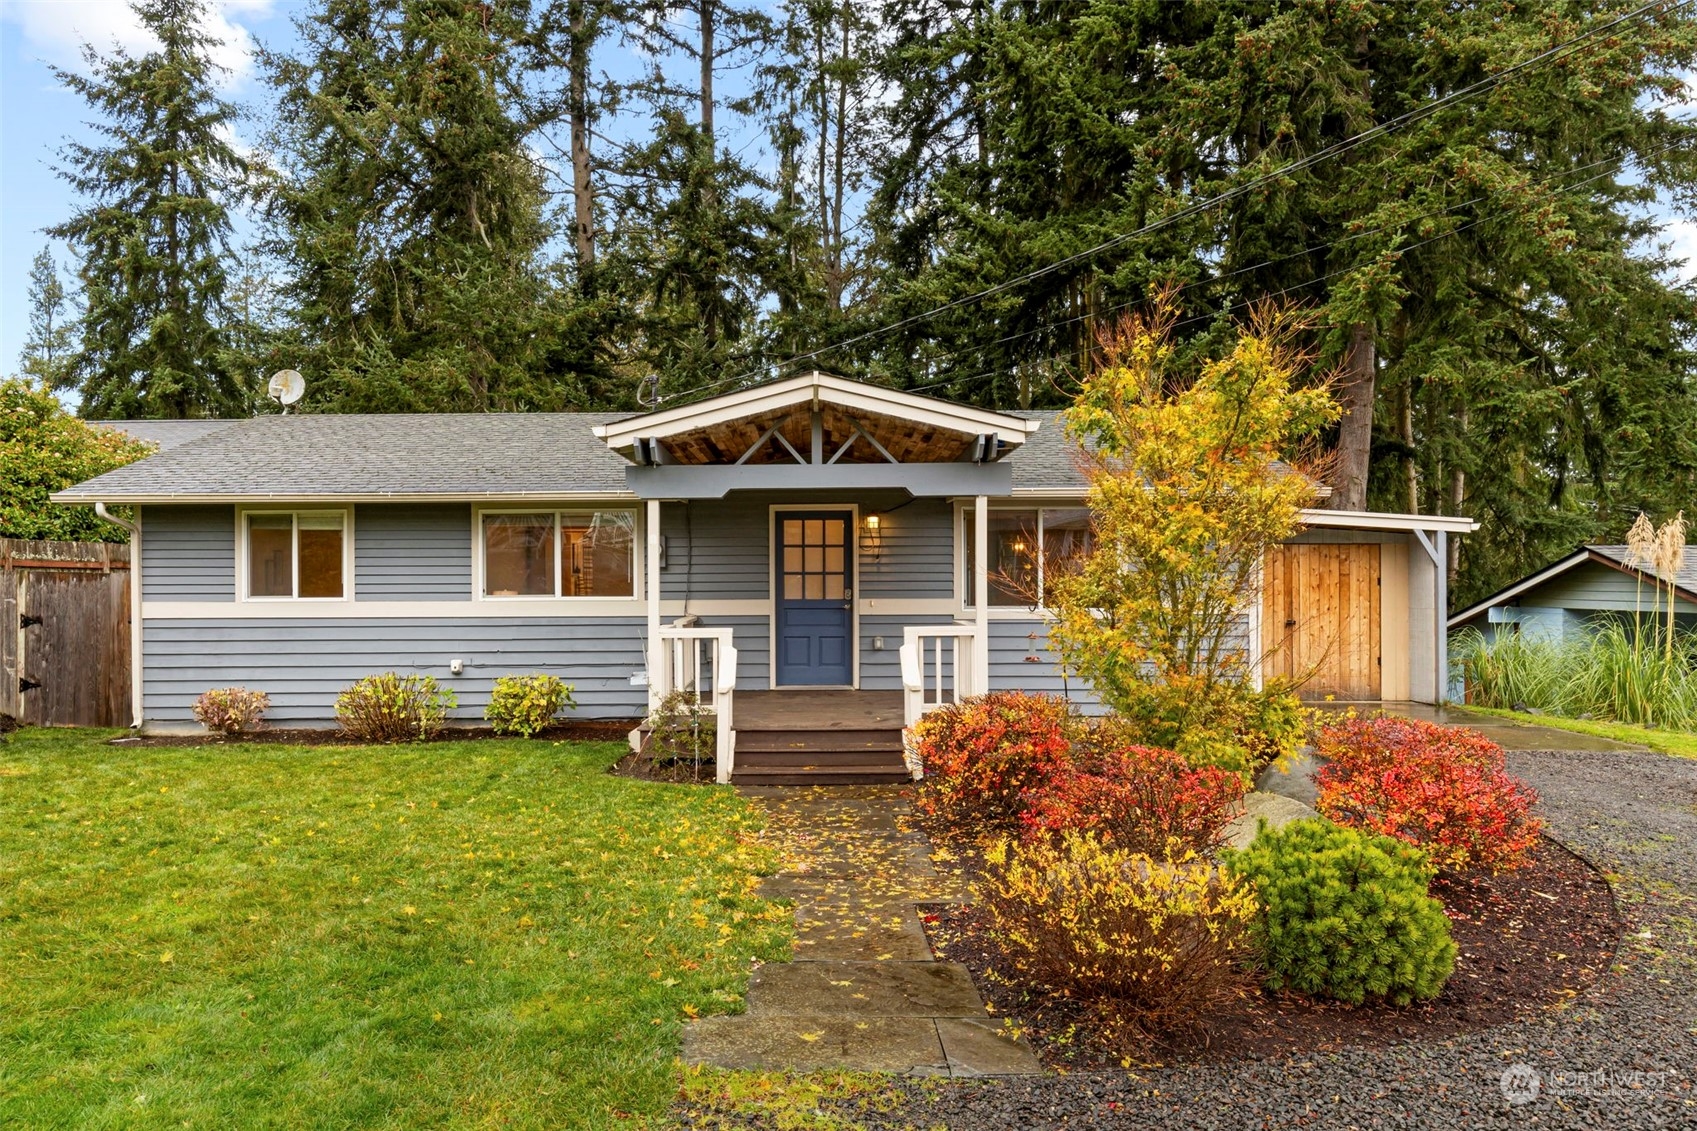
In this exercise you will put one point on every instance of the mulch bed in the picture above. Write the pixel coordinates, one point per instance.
(600, 730)
(644, 768)
(1527, 940)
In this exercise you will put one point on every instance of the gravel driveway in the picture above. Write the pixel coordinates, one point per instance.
(1623, 1055)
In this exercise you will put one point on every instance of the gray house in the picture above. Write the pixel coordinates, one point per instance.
(1562, 598)
(813, 555)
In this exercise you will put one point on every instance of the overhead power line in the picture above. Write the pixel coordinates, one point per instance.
(1383, 129)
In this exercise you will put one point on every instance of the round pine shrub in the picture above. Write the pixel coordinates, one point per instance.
(526, 704)
(394, 708)
(1345, 914)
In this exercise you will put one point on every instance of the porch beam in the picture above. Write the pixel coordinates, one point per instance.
(922, 480)
(860, 430)
(818, 435)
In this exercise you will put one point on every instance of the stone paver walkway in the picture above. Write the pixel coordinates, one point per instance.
(863, 991)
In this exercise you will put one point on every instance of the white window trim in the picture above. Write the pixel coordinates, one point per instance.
(621, 605)
(963, 593)
(243, 575)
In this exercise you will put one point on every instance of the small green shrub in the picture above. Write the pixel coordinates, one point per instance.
(1346, 915)
(681, 736)
(527, 704)
(1150, 946)
(232, 710)
(394, 708)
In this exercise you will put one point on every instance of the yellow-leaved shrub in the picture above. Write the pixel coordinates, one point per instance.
(1150, 946)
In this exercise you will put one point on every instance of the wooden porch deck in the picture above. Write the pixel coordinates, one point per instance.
(803, 709)
(804, 737)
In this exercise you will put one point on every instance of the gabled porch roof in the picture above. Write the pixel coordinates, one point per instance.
(817, 430)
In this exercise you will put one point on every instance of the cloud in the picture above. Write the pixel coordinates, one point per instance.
(57, 29)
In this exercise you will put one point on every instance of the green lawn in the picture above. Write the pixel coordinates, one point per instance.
(460, 934)
(1674, 742)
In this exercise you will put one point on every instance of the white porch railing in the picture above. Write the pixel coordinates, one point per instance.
(938, 662)
(703, 662)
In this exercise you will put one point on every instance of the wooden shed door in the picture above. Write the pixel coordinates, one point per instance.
(1320, 619)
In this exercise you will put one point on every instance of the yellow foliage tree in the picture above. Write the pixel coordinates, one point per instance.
(1191, 482)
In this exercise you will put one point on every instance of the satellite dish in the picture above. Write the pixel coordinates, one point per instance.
(286, 387)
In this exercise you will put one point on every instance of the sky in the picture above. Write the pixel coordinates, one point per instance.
(37, 115)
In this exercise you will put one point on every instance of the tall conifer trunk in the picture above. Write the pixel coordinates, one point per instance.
(583, 185)
(1355, 431)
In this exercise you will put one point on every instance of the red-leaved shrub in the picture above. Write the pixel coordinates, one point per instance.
(1444, 789)
(982, 755)
(1139, 799)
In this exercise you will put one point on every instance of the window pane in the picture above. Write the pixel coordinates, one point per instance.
(270, 555)
(834, 587)
(834, 531)
(518, 555)
(792, 587)
(600, 558)
(815, 559)
(1013, 557)
(834, 560)
(814, 589)
(815, 531)
(320, 555)
(1067, 541)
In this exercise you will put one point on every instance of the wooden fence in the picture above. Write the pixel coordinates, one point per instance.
(65, 633)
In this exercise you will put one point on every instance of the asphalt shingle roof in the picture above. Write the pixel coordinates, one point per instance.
(166, 434)
(305, 455)
(1686, 578)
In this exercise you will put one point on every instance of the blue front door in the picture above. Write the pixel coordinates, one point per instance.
(815, 587)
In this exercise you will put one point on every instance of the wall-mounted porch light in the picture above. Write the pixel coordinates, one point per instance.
(873, 525)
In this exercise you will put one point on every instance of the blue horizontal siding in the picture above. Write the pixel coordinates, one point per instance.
(188, 553)
(303, 664)
(410, 552)
(1021, 660)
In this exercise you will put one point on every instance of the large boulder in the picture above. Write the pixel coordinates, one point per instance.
(1277, 810)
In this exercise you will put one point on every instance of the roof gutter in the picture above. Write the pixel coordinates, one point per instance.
(135, 609)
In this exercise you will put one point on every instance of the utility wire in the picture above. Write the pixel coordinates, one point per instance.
(1549, 55)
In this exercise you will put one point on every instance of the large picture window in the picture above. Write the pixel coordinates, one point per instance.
(1027, 547)
(576, 553)
(299, 554)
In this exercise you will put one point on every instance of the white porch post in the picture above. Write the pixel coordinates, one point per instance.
(1441, 617)
(655, 658)
(981, 594)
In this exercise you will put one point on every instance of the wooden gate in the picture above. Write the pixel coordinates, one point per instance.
(65, 633)
(1320, 619)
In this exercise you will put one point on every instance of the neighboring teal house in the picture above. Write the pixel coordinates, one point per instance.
(1593, 581)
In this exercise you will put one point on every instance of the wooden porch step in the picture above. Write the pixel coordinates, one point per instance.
(791, 739)
(818, 757)
(821, 773)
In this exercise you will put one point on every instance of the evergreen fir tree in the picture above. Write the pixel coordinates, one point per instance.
(152, 234)
(51, 343)
(410, 215)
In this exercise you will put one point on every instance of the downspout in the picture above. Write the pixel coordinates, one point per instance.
(135, 609)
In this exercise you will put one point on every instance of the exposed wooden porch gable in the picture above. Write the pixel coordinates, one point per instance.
(817, 419)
